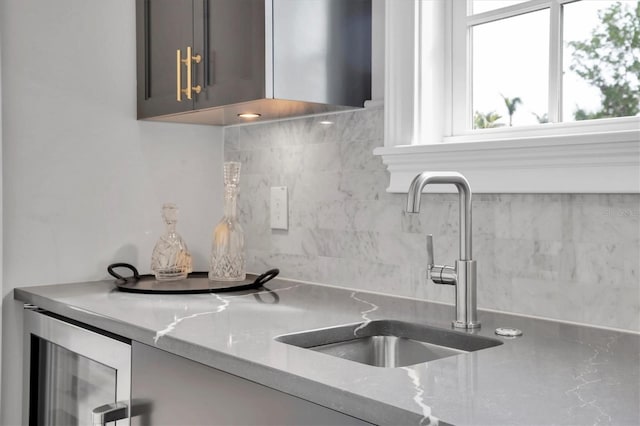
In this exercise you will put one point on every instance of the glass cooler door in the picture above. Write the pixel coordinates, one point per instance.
(75, 376)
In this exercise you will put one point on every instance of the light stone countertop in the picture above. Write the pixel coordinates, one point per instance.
(555, 373)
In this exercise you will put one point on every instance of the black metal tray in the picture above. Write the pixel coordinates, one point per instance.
(196, 282)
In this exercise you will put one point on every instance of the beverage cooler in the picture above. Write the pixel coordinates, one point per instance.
(73, 375)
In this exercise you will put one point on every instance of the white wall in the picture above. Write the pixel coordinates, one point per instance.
(377, 50)
(83, 180)
(1, 291)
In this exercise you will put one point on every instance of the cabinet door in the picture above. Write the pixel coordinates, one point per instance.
(178, 391)
(231, 33)
(162, 27)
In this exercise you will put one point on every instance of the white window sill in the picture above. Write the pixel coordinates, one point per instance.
(598, 157)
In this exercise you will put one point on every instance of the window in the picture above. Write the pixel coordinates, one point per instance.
(508, 93)
(538, 62)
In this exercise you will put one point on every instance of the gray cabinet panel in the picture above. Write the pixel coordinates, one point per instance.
(231, 35)
(184, 392)
(163, 27)
(322, 51)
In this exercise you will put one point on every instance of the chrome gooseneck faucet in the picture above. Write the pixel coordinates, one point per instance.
(463, 275)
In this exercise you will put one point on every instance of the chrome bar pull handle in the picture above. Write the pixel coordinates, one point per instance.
(107, 413)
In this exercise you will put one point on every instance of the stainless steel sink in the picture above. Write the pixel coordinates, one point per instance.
(388, 343)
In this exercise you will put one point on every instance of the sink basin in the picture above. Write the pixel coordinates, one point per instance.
(388, 343)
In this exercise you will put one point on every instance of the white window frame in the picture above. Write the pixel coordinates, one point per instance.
(423, 116)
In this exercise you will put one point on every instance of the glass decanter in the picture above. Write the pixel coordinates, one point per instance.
(227, 248)
(171, 259)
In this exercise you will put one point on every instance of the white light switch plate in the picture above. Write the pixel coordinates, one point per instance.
(279, 208)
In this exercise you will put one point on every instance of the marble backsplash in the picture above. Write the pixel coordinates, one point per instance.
(573, 257)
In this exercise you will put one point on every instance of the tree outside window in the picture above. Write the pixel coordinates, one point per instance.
(601, 66)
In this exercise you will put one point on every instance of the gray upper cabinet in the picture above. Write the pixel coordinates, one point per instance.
(163, 27)
(231, 35)
(212, 31)
(207, 61)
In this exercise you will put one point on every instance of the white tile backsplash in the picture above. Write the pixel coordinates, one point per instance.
(572, 257)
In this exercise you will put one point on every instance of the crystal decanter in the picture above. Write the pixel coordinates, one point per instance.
(227, 249)
(171, 259)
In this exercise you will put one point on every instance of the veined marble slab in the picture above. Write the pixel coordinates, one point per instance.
(556, 373)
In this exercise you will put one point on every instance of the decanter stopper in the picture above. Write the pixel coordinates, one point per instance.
(227, 247)
(171, 259)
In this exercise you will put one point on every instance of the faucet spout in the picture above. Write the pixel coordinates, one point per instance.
(464, 191)
(463, 276)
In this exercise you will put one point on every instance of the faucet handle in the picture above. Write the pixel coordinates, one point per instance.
(439, 274)
(430, 261)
